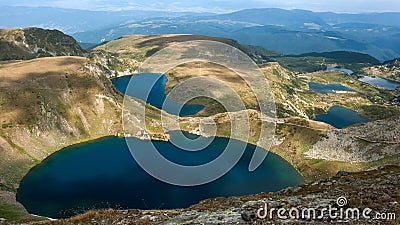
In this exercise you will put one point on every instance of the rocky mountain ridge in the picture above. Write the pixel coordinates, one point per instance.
(29, 43)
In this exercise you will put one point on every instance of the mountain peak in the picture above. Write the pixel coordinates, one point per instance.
(29, 43)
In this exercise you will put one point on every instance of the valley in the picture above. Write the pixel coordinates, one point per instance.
(51, 103)
(293, 99)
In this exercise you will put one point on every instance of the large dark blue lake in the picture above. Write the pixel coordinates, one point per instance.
(341, 117)
(142, 83)
(103, 174)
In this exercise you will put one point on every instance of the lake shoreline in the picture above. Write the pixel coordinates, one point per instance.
(380, 82)
(88, 141)
(374, 76)
(93, 157)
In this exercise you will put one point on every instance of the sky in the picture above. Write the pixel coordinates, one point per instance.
(217, 6)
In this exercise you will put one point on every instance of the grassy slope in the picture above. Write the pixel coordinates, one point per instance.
(370, 101)
(284, 84)
(211, 70)
(126, 53)
(311, 62)
(47, 104)
(292, 99)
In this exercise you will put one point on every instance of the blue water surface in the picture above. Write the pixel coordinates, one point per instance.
(328, 88)
(341, 117)
(380, 82)
(103, 174)
(142, 83)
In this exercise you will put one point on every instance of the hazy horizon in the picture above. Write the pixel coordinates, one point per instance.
(217, 6)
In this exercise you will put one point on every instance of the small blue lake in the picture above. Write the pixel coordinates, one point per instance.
(341, 117)
(380, 82)
(103, 174)
(328, 88)
(141, 83)
(329, 68)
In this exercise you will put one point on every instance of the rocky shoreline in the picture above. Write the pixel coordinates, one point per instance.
(375, 189)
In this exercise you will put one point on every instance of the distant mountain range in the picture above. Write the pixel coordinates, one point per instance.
(29, 43)
(74, 20)
(288, 31)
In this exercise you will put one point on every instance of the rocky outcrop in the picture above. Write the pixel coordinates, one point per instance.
(29, 43)
(112, 65)
(363, 143)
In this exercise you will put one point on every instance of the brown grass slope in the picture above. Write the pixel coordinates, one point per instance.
(47, 104)
(124, 55)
